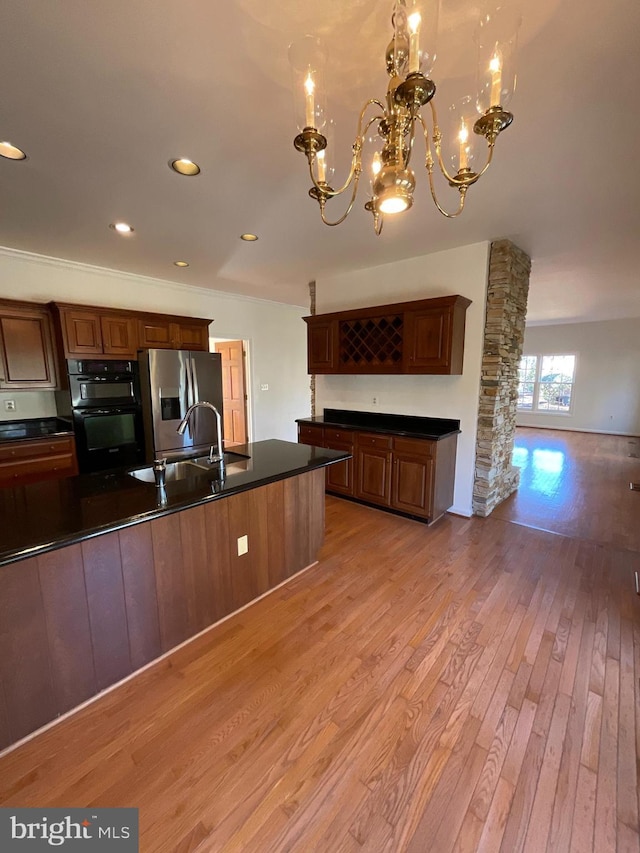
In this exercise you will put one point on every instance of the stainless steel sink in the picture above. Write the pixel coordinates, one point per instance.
(198, 466)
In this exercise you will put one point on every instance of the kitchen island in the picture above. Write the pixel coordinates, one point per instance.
(101, 574)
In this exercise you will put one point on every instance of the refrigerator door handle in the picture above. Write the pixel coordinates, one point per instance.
(188, 396)
(196, 390)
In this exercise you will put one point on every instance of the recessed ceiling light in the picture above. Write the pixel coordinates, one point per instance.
(180, 264)
(250, 238)
(11, 152)
(121, 227)
(185, 167)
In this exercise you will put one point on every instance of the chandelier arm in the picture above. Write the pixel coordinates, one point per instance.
(437, 136)
(326, 190)
(463, 194)
(348, 210)
(489, 159)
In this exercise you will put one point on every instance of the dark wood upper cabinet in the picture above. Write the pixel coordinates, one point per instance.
(87, 331)
(27, 355)
(119, 335)
(321, 341)
(173, 333)
(423, 336)
(193, 336)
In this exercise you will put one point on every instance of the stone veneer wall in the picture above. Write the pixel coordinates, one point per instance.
(508, 288)
(312, 379)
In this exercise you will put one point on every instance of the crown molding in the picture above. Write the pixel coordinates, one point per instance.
(167, 284)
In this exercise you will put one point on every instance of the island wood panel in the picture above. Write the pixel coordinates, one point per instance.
(169, 569)
(24, 650)
(107, 608)
(62, 582)
(250, 571)
(277, 550)
(140, 594)
(78, 619)
(216, 516)
(198, 570)
(5, 733)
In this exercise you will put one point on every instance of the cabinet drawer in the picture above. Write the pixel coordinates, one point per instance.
(25, 450)
(415, 446)
(344, 436)
(310, 435)
(34, 469)
(369, 439)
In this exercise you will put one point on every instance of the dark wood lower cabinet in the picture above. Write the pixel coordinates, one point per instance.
(340, 476)
(414, 476)
(374, 475)
(23, 462)
(75, 620)
(412, 484)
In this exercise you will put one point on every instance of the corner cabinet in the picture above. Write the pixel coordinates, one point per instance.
(27, 355)
(410, 476)
(419, 337)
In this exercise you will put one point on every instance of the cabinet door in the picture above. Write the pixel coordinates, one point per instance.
(119, 335)
(27, 357)
(155, 334)
(321, 345)
(82, 332)
(339, 476)
(192, 336)
(374, 475)
(428, 340)
(412, 488)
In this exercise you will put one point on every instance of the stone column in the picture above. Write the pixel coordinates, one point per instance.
(508, 288)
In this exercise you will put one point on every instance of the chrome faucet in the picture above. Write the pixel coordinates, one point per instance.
(219, 456)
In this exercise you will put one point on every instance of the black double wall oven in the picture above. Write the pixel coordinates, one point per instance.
(107, 413)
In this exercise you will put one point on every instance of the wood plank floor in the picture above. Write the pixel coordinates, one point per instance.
(473, 686)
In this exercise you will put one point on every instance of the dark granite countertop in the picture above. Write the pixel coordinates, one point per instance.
(34, 428)
(409, 425)
(44, 516)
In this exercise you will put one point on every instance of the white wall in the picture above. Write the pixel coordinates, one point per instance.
(607, 381)
(276, 334)
(458, 271)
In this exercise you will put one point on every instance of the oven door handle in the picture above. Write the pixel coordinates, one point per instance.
(88, 412)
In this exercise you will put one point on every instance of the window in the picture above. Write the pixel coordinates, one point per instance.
(545, 383)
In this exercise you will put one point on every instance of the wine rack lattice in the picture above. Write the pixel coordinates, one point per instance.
(371, 341)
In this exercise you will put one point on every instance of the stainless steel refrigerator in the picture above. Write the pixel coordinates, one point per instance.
(170, 382)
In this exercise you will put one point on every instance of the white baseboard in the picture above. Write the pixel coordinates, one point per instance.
(577, 429)
(465, 513)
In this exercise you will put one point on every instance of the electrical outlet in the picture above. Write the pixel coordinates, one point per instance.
(374, 401)
(243, 545)
(10, 405)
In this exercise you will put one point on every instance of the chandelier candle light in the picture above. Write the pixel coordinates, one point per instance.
(409, 60)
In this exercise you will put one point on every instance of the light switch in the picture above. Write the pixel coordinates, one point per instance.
(243, 545)
(264, 387)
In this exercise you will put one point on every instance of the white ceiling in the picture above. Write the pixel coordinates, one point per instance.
(102, 95)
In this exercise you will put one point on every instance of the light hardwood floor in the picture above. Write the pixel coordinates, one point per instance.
(467, 687)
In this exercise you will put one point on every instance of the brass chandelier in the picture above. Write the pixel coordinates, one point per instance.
(409, 60)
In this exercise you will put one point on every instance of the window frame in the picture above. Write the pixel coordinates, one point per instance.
(535, 410)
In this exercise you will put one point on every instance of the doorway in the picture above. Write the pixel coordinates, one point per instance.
(234, 390)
